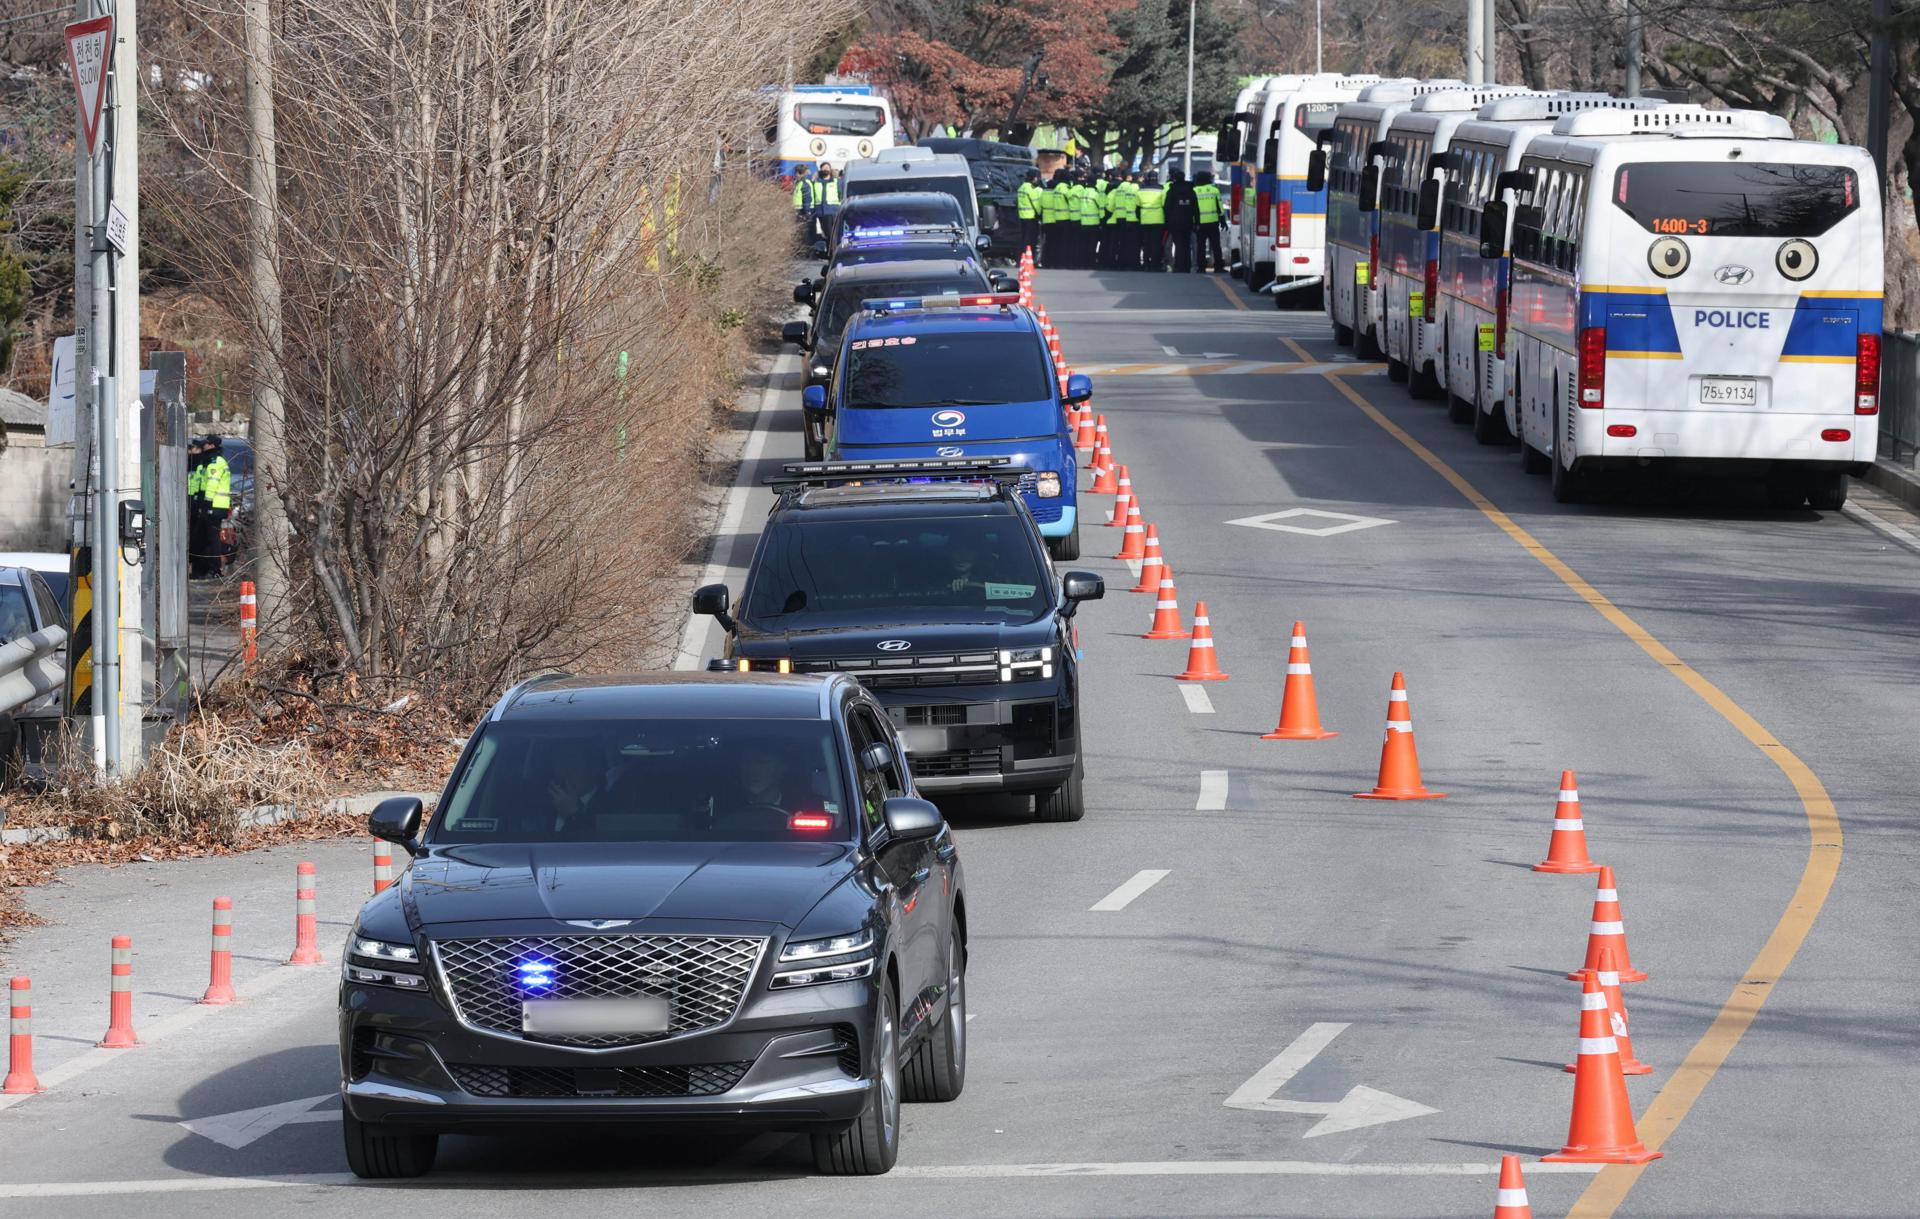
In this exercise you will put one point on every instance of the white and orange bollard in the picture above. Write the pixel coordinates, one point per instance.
(306, 920)
(21, 1081)
(249, 622)
(120, 1035)
(220, 971)
(382, 866)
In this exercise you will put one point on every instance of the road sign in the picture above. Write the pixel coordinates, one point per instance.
(118, 227)
(89, 51)
(1360, 1107)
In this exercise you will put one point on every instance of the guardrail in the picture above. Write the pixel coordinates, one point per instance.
(31, 666)
(1900, 397)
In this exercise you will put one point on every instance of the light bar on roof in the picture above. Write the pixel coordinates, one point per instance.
(977, 300)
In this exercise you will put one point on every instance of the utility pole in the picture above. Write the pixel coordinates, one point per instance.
(1880, 88)
(1490, 41)
(1636, 46)
(1476, 42)
(1319, 40)
(1187, 169)
(269, 380)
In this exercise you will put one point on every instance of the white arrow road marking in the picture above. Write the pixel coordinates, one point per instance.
(238, 1129)
(1213, 791)
(1361, 1106)
(1142, 880)
(1198, 701)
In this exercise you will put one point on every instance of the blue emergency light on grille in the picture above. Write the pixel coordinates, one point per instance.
(978, 300)
(534, 975)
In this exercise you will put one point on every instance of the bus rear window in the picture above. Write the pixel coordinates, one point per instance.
(1314, 117)
(838, 118)
(1736, 199)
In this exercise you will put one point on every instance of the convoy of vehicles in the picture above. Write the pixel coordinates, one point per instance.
(1278, 226)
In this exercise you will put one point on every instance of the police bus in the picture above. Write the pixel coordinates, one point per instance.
(1482, 165)
(1235, 145)
(1347, 166)
(1407, 275)
(833, 124)
(1280, 231)
(1697, 290)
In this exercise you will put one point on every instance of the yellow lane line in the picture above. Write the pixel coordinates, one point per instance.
(1227, 288)
(1664, 1114)
(1298, 350)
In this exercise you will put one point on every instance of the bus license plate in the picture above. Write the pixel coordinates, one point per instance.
(594, 1017)
(1729, 391)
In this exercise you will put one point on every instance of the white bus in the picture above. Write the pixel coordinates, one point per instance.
(1697, 291)
(1481, 166)
(1280, 227)
(826, 123)
(1347, 166)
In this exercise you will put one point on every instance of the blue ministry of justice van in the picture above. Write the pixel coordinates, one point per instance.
(957, 376)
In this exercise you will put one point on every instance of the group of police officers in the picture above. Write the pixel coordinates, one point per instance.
(1122, 221)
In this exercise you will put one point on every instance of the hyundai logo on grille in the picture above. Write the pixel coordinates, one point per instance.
(894, 645)
(949, 418)
(1733, 273)
(598, 924)
(952, 450)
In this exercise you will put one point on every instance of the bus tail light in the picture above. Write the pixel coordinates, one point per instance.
(1593, 367)
(1282, 222)
(1429, 302)
(1501, 299)
(1239, 193)
(1373, 263)
(1835, 434)
(1866, 374)
(1262, 215)
(1622, 430)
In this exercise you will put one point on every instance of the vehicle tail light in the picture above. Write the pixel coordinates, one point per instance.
(1836, 434)
(812, 823)
(1622, 430)
(1593, 367)
(1262, 215)
(1282, 222)
(1500, 303)
(1239, 192)
(1432, 287)
(1373, 263)
(1866, 374)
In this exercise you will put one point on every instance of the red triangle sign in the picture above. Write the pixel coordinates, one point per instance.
(89, 51)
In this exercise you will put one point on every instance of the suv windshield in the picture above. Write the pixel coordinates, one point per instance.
(824, 573)
(924, 370)
(839, 118)
(575, 780)
(960, 187)
(843, 300)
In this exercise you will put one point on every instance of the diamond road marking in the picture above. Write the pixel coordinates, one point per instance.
(1339, 522)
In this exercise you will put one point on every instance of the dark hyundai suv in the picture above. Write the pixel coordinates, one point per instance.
(929, 581)
(676, 899)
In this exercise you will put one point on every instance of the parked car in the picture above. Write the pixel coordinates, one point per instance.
(28, 732)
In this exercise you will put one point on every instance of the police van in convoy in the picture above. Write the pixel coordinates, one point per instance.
(831, 124)
(1347, 166)
(1280, 227)
(1697, 289)
(1481, 167)
(956, 376)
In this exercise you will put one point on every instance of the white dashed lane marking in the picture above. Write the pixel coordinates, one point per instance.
(1142, 880)
(1213, 791)
(1198, 701)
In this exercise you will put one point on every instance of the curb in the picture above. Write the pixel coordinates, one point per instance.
(256, 817)
(1895, 480)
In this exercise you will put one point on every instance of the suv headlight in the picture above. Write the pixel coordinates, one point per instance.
(1047, 485)
(383, 963)
(826, 960)
(1026, 664)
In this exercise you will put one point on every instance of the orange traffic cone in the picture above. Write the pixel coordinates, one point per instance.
(1399, 761)
(1086, 434)
(1201, 665)
(1617, 1016)
(1567, 848)
(1133, 545)
(1608, 934)
(1150, 564)
(1124, 496)
(1299, 708)
(1601, 1131)
(1053, 349)
(1104, 482)
(1510, 1199)
(1166, 610)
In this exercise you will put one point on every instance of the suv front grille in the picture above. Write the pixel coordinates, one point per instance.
(935, 716)
(702, 978)
(626, 1083)
(946, 669)
(955, 762)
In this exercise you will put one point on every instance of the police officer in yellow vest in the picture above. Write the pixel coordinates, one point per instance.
(1027, 203)
(1123, 225)
(1206, 233)
(216, 490)
(1055, 207)
(1090, 212)
(1153, 224)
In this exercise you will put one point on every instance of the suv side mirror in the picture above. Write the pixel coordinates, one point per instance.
(714, 601)
(397, 820)
(1078, 586)
(982, 242)
(1427, 217)
(1003, 282)
(813, 399)
(1317, 170)
(1370, 189)
(819, 247)
(910, 818)
(1079, 387)
(803, 292)
(795, 333)
(1493, 230)
(876, 757)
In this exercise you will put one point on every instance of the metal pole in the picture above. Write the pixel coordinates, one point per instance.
(85, 468)
(1636, 47)
(130, 655)
(1319, 41)
(106, 479)
(263, 267)
(1880, 70)
(1187, 168)
(1476, 48)
(1490, 41)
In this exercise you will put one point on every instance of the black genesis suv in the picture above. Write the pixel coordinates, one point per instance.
(676, 899)
(929, 582)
